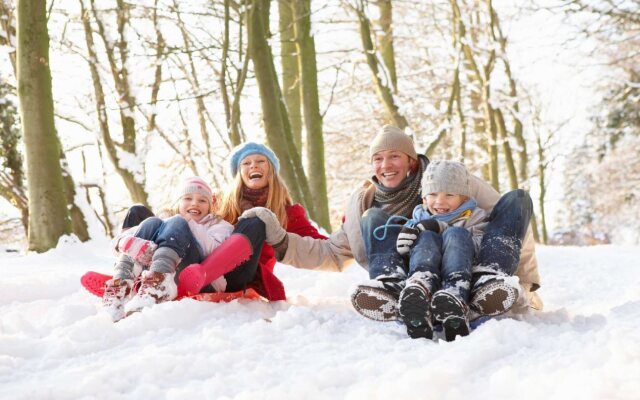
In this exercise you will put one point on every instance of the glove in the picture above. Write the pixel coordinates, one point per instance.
(275, 233)
(432, 225)
(139, 249)
(220, 284)
(406, 238)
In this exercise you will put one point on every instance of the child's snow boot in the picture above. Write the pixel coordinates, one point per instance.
(415, 306)
(155, 287)
(449, 309)
(158, 284)
(116, 293)
(493, 292)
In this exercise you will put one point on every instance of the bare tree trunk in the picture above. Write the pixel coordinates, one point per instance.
(135, 188)
(543, 190)
(385, 41)
(289, 56)
(274, 112)
(385, 94)
(48, 214)
(311, 104)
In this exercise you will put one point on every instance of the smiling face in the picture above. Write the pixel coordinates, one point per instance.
(194, 206)
(442, 203)
(254, 171)
(390, 167)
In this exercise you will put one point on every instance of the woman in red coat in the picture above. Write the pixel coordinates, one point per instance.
(257, 183)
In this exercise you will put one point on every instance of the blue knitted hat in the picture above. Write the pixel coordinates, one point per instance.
(248, 148)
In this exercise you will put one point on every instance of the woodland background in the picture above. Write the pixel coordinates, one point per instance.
(108, 102)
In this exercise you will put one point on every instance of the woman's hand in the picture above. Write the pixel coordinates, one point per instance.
(274, 232)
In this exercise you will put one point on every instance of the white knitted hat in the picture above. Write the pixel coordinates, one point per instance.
(446, 176)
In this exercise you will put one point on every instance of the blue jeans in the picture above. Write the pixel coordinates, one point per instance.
(503, 236)
(383, 258)
(175, 234)
(447, 257)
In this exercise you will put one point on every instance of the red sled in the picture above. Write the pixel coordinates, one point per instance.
(94, 283)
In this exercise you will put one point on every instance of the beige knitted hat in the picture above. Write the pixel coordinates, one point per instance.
(446, 176)
(392, 138)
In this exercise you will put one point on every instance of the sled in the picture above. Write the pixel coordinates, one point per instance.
(94, 282)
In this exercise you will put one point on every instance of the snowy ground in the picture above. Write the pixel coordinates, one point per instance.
(56, 344)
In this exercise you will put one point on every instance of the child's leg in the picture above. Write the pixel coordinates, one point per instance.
(450, 304)
(175, 243)
(425, 259)
(423, 281)
(456, 261)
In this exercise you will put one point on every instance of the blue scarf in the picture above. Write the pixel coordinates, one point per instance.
(464, 211)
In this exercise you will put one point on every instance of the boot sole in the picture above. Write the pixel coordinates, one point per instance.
(449, 310)
(375, 303)
(414, 311)
(494, 298)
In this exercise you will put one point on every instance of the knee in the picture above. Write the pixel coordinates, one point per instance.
(254, 225)
(456, 233)
(518, 196)
(151, 222)
(177, 222)
(373, 217)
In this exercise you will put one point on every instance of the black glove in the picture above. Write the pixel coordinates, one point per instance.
(432, 225)
(406, 238)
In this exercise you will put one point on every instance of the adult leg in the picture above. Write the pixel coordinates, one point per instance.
(494, 290)
(379, 300)
(449, 304)
(253, 230)
(424, 279)
(135, 215)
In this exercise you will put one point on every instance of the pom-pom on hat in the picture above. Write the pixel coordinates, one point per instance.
(246, 149)
(392, 138)
(195, 184)
(446, 176)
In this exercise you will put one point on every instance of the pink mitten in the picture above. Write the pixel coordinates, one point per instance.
(140, 250)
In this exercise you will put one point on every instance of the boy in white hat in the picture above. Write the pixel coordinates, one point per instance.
(442, 239)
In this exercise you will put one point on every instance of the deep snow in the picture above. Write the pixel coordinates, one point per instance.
(55, 343)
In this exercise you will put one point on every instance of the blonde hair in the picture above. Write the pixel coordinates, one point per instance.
(278, 198)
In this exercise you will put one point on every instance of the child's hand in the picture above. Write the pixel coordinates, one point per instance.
(432, 225)
(406, 239)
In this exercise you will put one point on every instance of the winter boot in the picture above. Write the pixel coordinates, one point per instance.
(449, 309)
(158, 284)
(378, 298)
(235, 250)
(155, 287)
(493, 291)
(415, 305)
(116, 292)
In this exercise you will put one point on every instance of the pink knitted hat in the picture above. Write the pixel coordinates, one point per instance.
(195, 184)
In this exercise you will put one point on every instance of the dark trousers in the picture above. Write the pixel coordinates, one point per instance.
(503, 236)
(254, 230)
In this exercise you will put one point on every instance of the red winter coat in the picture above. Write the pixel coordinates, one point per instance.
(266, 283)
